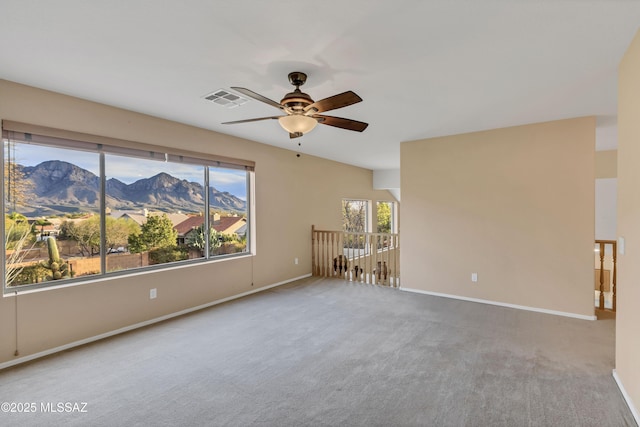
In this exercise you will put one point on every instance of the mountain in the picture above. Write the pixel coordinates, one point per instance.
(63, 187)
(54, 181)
(162, 190)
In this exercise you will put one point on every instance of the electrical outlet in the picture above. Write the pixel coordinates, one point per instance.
(474, 277)
(295, 261)
(153, 293)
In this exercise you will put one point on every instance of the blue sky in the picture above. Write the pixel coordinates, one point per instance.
(129, 170)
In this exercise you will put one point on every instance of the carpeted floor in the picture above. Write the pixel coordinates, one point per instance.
(329, 353)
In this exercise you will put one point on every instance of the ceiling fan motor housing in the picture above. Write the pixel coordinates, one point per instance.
(297, 100)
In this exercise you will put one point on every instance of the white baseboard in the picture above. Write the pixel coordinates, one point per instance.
(626, 397)
(141, 324)
(502, 304)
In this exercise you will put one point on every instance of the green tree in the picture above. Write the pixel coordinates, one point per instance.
(384, 217)
(66, 230)
(157, 232)
(118, 232)
(87, 233)
(16, 217)
(17, 229)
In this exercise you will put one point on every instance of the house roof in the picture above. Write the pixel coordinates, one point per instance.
(228, 224)
(138, 218)
(423, 69)
(189, 224)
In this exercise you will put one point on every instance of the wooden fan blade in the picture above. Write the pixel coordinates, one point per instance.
(333, 102)
(339, 122)
(252, 94)
(251, 120)
(295, 135)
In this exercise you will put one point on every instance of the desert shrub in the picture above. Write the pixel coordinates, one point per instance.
(168, 254)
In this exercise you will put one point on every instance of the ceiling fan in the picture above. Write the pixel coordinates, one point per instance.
(302, 112)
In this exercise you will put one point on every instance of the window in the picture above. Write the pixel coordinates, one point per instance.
(355, 216)
(154, 211)
(386, 217)
(355, 219)
(46, 189)
(76, 209)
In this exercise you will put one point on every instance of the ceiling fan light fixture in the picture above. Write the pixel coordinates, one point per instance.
(297, 123)
(302, 112)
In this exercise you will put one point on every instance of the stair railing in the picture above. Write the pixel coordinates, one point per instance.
(600, 273)
(358, 257)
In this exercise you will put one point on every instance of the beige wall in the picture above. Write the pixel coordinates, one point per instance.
(515, 205)
(606, 164)
(291, 194)
(628, 316)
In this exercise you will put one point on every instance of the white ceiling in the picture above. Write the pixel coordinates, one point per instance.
(423, 68)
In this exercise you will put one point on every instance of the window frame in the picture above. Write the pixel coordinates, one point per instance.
(37, 135)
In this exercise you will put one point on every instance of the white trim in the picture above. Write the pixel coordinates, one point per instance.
(626, 397)
(502, 304)
(142, 324)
